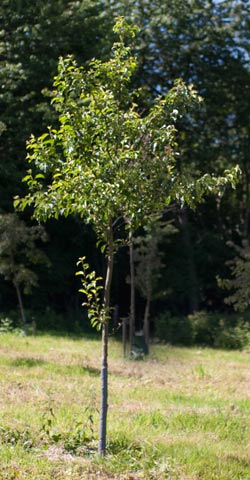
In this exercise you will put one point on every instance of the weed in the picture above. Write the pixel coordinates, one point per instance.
(79, 435)
(48, 425)
(13, 437)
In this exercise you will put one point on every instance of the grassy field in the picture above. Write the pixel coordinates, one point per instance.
(179, 414)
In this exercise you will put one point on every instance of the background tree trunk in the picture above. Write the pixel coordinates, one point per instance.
(20, 302)
(146, 328)
(124, 337)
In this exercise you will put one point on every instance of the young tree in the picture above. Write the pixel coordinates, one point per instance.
(109, 160)
(148, 261)
(18, 252)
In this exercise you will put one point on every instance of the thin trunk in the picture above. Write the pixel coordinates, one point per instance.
(104, 365)
(132, 290)
(124, 337)
(149, 287)
(20, 302)
(146, 320)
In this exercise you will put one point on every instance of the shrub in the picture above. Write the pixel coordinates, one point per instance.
(6, 325)
(203, 328)
(174, 330)
(237, 337)
(220, 331)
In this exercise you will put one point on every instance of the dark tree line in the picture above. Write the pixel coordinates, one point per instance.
(203, 42)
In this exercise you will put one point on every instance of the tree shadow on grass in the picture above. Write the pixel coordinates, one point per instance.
(71, 335)
(94, 372)
(27, 362)
(30, 362)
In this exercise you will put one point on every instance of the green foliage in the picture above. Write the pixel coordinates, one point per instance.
(169, 45)
(80, 434)
(203, 328)
(108, 159)
(91, 290)
(233, 337)
(76, 438)
(33, 36)
(173, 330)
(14, 437)
(48, 429)
(239, 282)
(148, 256)
(220, 331)
(6, 325)
(18, 251)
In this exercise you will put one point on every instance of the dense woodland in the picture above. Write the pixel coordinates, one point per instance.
(206, 43)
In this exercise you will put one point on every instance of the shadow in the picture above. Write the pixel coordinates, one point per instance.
(123, 445)
(93, 336)
(27, 362)
(60, 369)
(94, 372)
(240, 461)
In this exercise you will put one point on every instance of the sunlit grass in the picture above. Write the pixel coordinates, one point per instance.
(179, 414)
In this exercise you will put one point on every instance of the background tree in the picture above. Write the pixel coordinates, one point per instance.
(18, 253)
(207, 43)
(149, 263)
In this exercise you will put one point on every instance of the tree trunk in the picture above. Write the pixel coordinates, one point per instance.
(149, 268)
(132, 290)
(124, 337)
(20, 302)
(146, 321)
(104, 365)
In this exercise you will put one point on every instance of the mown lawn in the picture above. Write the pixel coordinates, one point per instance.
(179, 414)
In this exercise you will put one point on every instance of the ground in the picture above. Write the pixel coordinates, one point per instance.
(178, 414)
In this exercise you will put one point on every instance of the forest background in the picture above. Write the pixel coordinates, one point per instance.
(207, 43)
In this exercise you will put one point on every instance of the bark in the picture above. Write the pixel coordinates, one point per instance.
(104, 365)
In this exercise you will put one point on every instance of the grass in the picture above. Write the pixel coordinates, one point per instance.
(181, 414)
